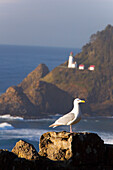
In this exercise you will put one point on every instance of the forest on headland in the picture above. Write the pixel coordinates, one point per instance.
(96, 87)
(43, 92)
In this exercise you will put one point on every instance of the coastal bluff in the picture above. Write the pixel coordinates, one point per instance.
(61, 150)
(34, 98)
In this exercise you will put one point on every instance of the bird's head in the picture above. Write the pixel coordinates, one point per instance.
(77, 101)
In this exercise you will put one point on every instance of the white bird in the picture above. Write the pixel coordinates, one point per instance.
(70, 118)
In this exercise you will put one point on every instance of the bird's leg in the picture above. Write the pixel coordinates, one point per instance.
(71, 129)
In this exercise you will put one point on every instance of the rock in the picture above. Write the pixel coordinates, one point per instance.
(49, 98)
(78, 148)
(60, 150)
(25, 150)
(6, 159)
(34, 98)
(15, 102)
(41, 71)
(109, 154)
(10, 161)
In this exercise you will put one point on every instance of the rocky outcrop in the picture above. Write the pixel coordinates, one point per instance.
(63, 150)
(77, 150)
(10, 161)
(35, 98)
(25, 150)
(32, 78)
(15, 102)
(81, 148)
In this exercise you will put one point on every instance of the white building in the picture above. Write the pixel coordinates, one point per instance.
(81, 67)
(91, 67)
(71, 63)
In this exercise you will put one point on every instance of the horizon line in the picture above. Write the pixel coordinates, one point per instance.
(39, 46)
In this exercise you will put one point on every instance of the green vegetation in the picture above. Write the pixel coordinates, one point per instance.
(95, 86)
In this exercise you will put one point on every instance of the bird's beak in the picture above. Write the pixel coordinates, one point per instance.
(82, 101)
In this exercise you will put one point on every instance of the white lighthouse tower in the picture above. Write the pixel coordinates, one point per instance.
(71, 63)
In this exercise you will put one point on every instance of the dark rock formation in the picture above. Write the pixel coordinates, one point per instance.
(10, 161)
(35, 98)
(49, 99)
(25, 150)
(15, 102)
(32, 78)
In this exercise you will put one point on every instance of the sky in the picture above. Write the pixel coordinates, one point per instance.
(60, 23)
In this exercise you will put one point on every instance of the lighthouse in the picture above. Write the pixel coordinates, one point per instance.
(71, 63)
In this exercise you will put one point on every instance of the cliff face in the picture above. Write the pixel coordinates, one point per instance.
(35, 98)
(32, 78)
(95, 86)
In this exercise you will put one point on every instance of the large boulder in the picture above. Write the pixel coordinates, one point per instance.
(79, 148)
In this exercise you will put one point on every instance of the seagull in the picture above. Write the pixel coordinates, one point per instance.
(70, 118)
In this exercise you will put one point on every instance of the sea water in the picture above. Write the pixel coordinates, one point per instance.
(14, 129)
(16, 62)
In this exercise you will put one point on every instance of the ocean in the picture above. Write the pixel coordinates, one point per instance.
(16, 62)
(12, 129)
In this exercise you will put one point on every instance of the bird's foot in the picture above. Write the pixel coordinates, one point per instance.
(71, 129)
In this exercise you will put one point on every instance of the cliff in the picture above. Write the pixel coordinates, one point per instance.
(61, 150)
(95, 86)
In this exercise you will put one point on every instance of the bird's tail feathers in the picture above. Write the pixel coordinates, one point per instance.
(54, 125)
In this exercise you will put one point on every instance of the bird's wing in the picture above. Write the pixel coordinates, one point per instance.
(64, 120)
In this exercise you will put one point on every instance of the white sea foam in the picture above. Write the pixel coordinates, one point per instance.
(26, 134)
(106, 137)
(6, 126)
(38, 120)
(9, 117)
(55, 115)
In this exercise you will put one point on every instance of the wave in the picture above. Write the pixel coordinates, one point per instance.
(9, 117)
(25, 134)
(107, 137)
(38, 120)
(6, 126)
